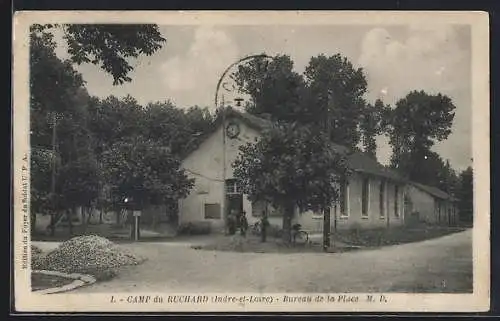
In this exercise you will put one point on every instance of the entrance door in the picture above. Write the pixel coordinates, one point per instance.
(234, 198)
(234, 202)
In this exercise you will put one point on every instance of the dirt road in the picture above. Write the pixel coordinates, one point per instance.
(437, 265)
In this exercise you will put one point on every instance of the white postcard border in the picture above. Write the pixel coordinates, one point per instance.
(68, 302)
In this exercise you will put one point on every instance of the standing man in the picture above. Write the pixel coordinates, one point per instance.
(231, 221)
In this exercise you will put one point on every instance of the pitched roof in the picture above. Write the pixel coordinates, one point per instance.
(362, 162)
(357, 160)
(434, 191)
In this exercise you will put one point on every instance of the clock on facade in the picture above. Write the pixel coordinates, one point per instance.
(232, 130)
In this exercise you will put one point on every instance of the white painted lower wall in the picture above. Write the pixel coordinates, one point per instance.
(206, 191)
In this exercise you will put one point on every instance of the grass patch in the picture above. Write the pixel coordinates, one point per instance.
(41, 281)
(253, 244)
(342, 240)
(392, 236)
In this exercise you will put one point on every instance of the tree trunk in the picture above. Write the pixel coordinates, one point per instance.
(70, 219)
(52, 224)
(90, 213)
(118, 215)
(287, 222)
(100, 215)
(33, 223)
(154, 220)
(326, 229)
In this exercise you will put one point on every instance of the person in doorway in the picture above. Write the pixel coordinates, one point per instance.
(231, 221)
(243, 224)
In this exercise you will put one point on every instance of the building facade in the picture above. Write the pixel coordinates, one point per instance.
(431, 205)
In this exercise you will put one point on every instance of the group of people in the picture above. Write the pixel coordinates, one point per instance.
(237, 220)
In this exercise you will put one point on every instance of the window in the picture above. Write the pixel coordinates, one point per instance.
(258, 207)
(396, 201)
(232, 187)
(274, 212)
(365, 197)
(439, 211)
(381, 199)
(212, 211)
(344, 199)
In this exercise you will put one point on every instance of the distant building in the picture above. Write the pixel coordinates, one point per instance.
(372, 196)
(431, 205)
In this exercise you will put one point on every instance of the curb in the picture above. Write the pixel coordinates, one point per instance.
(79, 281)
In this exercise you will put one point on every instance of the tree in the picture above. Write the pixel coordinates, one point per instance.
(57, 107)
(176, 128)
(113, 120)
(78, 185)
(465, 195)
(108, 45)
(447, 179)
(336, 90)
(53, 86)
(274, 88)
(291, 166)
(60, 104)
(145, 171)
(373, 123)
(40, 182)
(329, 94)
(417, 123)
(200, 120)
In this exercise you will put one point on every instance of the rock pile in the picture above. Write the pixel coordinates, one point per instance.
(89, 254)
(35, 250)
(36, 257)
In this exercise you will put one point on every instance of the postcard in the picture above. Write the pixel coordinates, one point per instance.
(251, 161)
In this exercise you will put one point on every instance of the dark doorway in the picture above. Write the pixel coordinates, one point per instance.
(234, 199)
(234, 202)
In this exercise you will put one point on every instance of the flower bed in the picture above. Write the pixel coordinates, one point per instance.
(41, 281)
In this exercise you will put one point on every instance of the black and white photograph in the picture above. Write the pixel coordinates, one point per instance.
(251, 161)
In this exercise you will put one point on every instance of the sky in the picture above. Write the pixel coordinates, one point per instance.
(395, 60)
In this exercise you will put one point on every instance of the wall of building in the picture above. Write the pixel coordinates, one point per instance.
(374, 217)
(432, 210)
(446, 213)
(313, 222)
(205, 165)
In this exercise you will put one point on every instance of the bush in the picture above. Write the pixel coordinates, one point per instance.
(195, 228)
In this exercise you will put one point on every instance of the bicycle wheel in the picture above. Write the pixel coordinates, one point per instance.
(301, 238)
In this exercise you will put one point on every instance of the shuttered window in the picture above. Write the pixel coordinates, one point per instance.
(212, 211)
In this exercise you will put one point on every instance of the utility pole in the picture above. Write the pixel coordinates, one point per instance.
(327, 211)
(224, 196)
(53, 178)
(222, 84)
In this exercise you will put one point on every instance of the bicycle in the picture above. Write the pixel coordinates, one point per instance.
(299, 236)
(256, 228)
